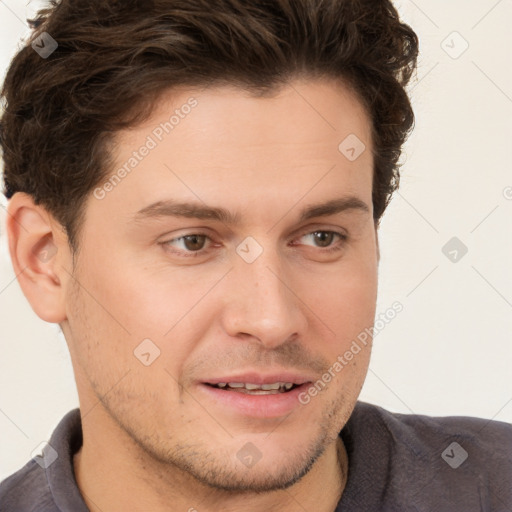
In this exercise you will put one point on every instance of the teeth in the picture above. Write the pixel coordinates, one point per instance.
(251, 387)
(268, 387)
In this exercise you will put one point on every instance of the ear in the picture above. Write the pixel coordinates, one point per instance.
(38, 248)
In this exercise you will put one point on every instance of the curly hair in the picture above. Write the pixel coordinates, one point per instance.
(115, 58)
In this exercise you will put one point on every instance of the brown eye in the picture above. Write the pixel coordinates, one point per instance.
(188, 245)
(324, 238)
(194, 242)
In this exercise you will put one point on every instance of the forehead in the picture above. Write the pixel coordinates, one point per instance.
(301, 112)
(222, 144)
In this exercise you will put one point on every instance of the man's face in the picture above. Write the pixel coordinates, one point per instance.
(268, 295)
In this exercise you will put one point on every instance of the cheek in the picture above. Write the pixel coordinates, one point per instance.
(157, 304)
(345, 302)
(345, 299)
(153, 303)
(113, 325)
(138, 301)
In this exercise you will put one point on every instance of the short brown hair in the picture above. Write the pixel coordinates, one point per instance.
(114, 58)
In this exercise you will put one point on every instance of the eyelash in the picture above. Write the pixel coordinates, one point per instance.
(194, 254)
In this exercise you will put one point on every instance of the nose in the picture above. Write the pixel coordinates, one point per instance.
(260, 302)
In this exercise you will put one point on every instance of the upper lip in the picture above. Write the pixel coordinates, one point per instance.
(260, 378)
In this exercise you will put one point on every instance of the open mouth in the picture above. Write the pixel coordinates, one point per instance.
(255, 389)
(260, 401)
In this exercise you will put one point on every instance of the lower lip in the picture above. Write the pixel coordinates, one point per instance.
(259, 406)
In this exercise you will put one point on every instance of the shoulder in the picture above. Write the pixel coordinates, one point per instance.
(47, 483)
(27, 490)
(451, 461)
(417, 430)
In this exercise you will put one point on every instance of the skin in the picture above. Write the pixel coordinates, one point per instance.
(152, 439)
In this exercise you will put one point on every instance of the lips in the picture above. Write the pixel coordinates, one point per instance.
(255, 389)
(255, 404)
(232, 393)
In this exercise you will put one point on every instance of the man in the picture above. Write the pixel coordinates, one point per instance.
(194, 196)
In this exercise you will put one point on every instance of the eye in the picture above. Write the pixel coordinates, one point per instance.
(324, 239)
(187, 245)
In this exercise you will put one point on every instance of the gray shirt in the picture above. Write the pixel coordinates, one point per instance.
(397, 463)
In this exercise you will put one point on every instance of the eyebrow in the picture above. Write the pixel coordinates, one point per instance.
(173, 208)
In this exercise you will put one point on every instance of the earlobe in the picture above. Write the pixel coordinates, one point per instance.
(36, 246)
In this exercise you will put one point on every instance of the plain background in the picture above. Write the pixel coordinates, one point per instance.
(449, 352)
